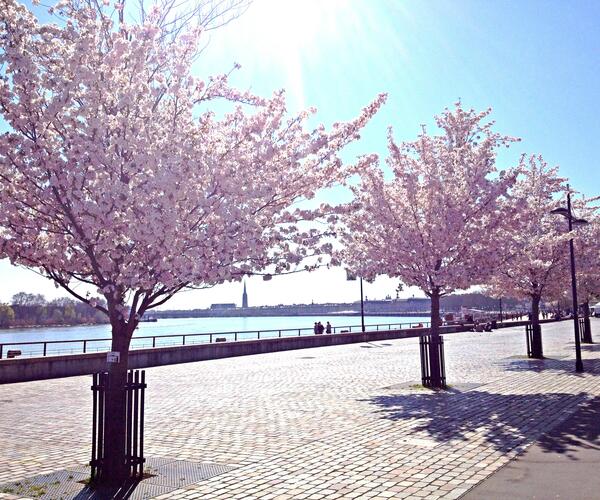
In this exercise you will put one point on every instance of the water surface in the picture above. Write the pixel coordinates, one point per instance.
(170, 331)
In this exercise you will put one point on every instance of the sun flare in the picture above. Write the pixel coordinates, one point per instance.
(287, 33)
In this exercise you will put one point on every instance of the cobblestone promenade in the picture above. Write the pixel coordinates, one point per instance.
(331, 422)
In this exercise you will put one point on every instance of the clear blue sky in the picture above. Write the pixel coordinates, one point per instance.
(536, 63)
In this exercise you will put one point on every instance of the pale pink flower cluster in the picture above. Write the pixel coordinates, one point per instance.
(436, 223)
(117, 174)
(448, 220)
(587, 250)
(537, 259)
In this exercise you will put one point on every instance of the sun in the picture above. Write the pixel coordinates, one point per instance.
(287, 33)
(295, 24)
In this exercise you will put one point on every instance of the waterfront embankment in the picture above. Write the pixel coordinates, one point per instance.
(47, 367)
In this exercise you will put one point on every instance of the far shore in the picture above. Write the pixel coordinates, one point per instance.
(59, 325)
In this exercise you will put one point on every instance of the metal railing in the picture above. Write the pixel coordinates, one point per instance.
(83, 346)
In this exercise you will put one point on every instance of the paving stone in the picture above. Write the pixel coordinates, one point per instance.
(349, 424)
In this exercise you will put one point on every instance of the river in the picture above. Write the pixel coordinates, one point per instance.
(172, 329)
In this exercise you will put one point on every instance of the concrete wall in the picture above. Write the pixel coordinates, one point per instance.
(26, 369)
(524, 322)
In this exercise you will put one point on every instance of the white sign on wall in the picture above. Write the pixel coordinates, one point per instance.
(113, 357)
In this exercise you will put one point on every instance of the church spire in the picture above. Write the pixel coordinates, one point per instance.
(244, 296)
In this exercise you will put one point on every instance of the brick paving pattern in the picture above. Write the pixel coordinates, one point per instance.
(327, 423)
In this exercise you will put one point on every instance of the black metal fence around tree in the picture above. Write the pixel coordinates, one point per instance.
(426, 342)
(583, 332)
(534, 342)
(134, 441)
(529, 338)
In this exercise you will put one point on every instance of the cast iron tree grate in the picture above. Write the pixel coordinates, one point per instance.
(161, 476)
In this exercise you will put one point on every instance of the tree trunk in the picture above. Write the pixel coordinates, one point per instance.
(115, 469)
(536, 340)
(434, 353)
(587, 331)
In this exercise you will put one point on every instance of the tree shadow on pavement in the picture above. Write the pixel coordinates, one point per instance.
(591, 366)
(590, 347)
(117, 492)
(505, 421)
(580, 431)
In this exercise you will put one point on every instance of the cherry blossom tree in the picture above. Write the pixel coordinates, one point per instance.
(434, 224)
(537, 257)
(587, 256)
(117, 174)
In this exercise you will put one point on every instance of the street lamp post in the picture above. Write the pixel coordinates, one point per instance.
(362, 307)
(569, 215)
(352, 277)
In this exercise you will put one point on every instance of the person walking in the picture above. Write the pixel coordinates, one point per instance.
(328, 327)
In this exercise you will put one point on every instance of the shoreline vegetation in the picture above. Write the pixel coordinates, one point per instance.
(52, 325)
(28, 310)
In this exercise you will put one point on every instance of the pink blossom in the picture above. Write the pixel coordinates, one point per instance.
(535, 263)
(111, 175)
(435, 224)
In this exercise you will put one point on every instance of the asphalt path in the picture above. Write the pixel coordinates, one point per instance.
(563, 464)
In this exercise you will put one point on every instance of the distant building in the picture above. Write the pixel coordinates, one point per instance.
(244, 297)
(223, 306)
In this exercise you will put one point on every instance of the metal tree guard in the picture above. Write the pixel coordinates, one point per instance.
(134, 442)
(531, 342)
(425, 343)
